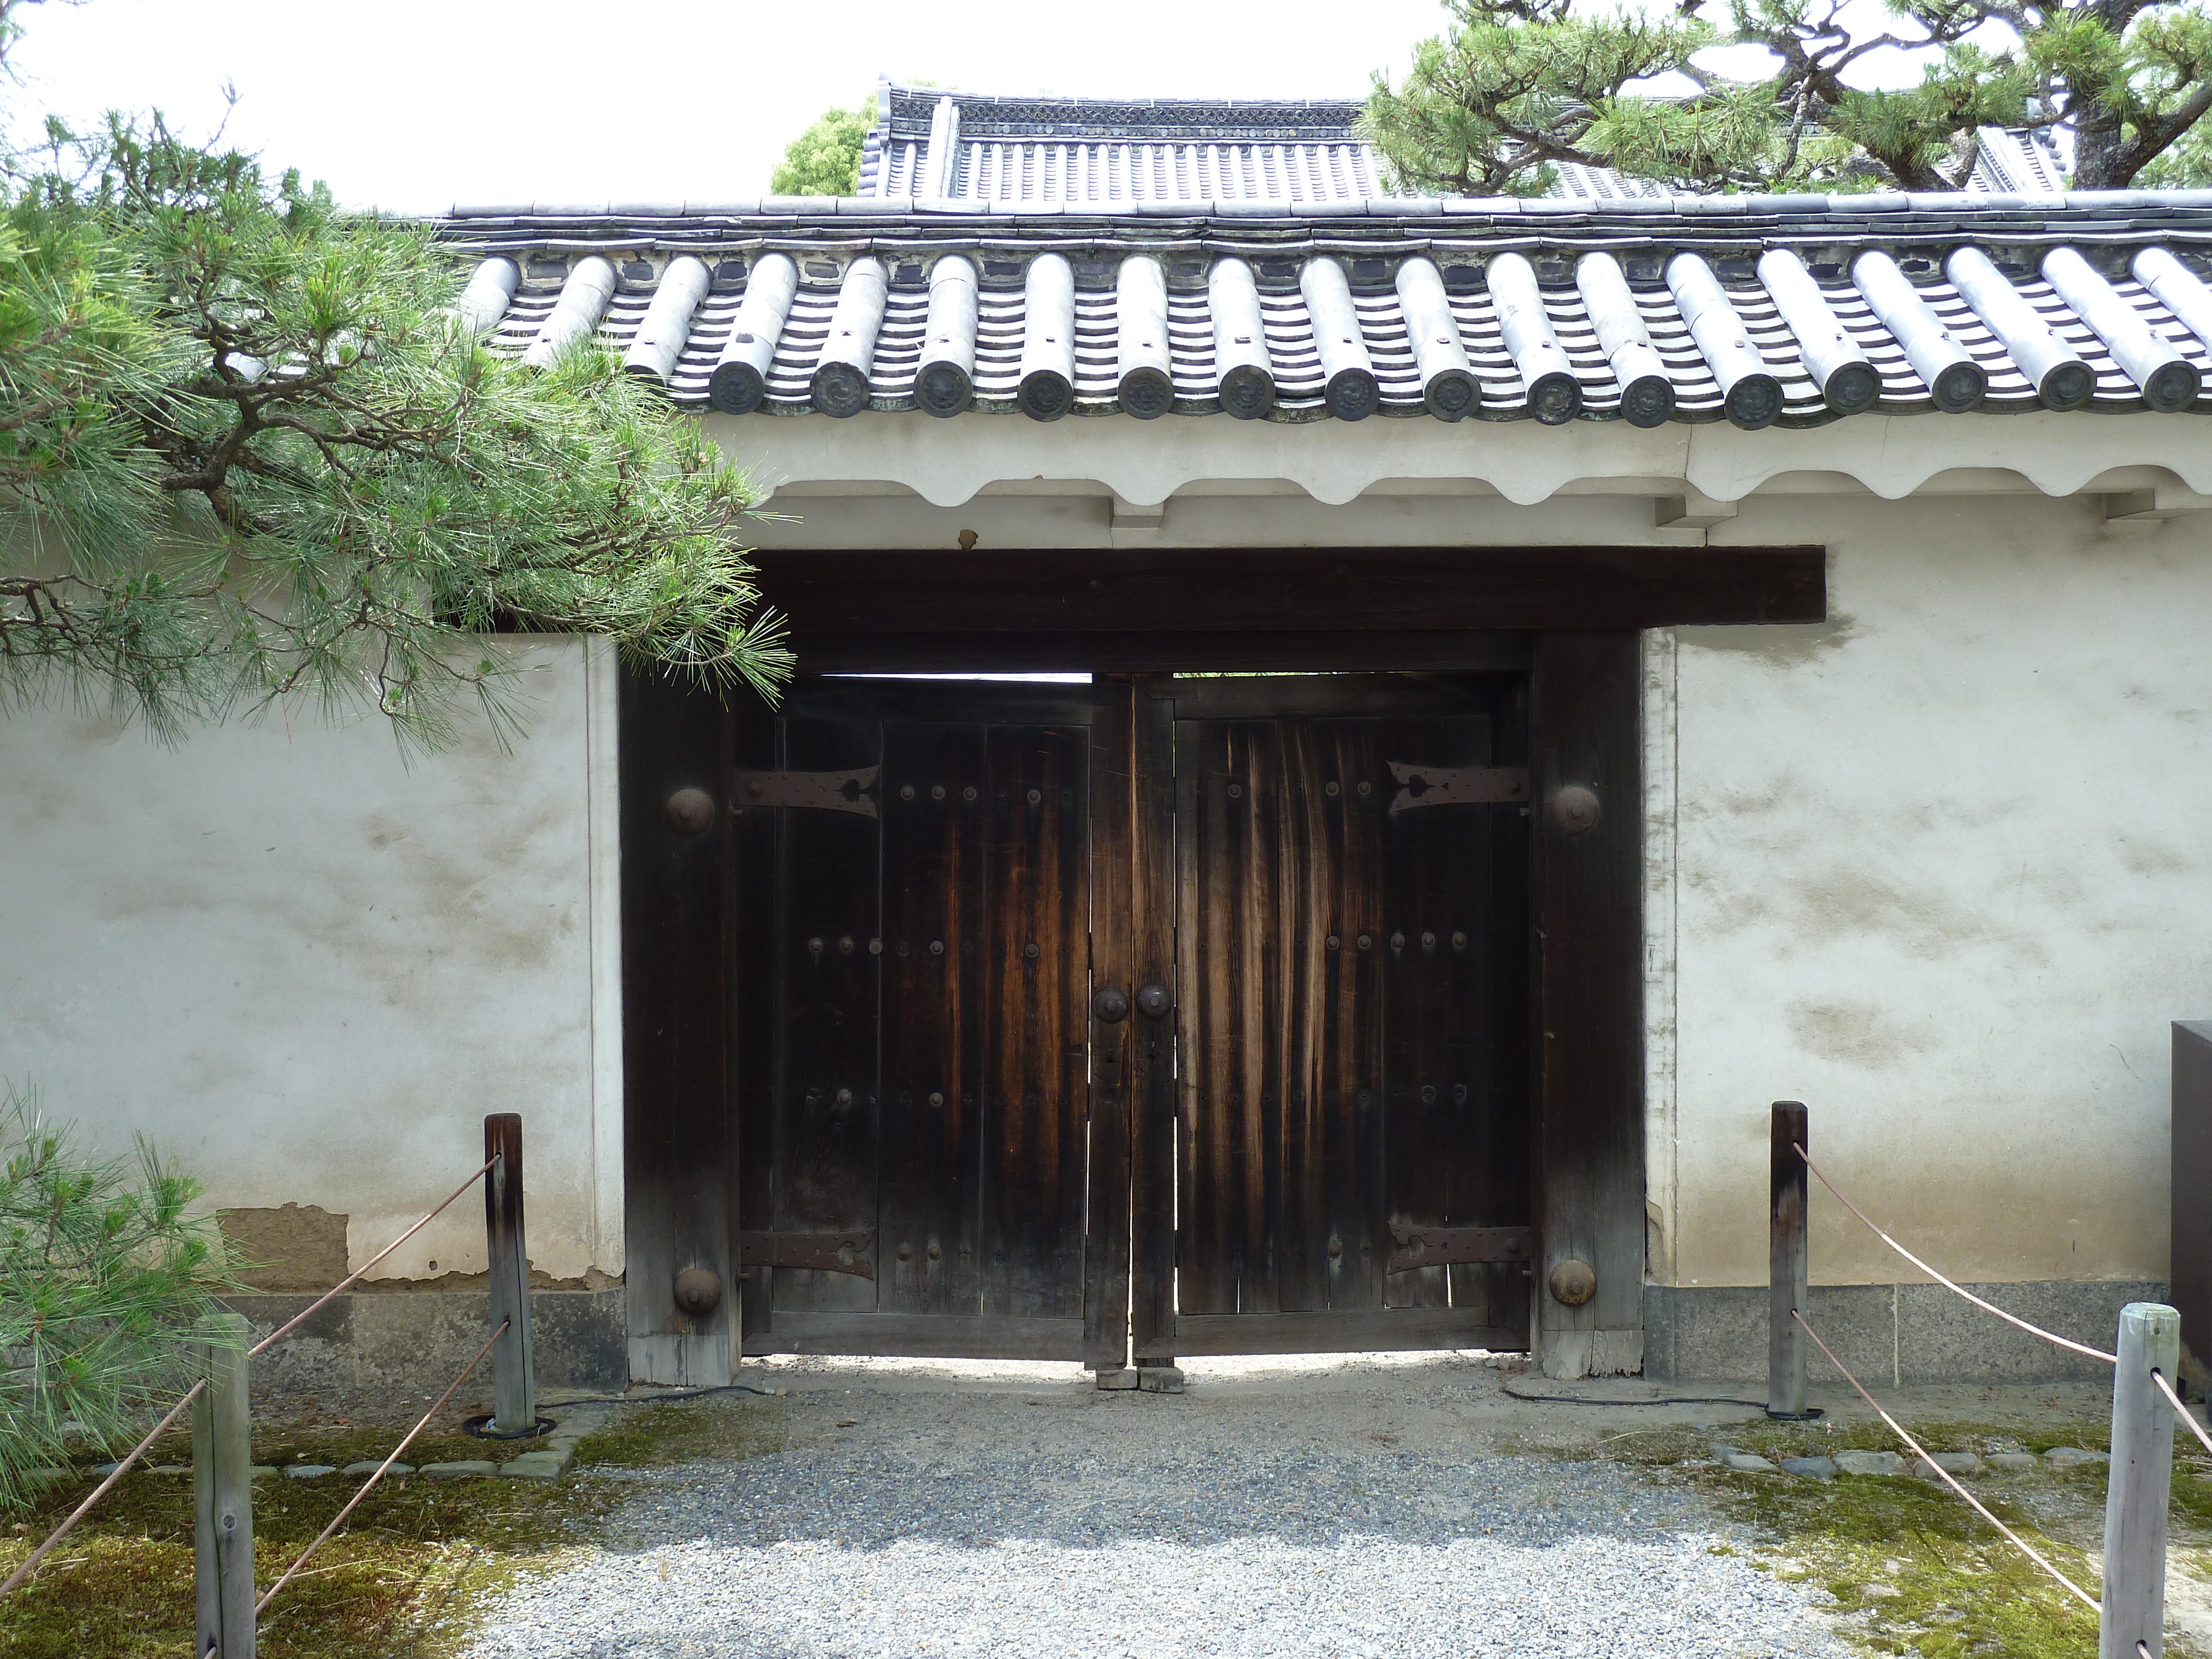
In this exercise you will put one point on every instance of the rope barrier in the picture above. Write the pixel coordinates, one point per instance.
(102, 1490)
(338, 1519)
(2180, 1409)
(1898, 1429)
(1987, 1307)
(316, 1306)
(281, 1331)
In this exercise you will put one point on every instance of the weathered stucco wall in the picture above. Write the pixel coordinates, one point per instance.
(1940, 869)
(308, 970)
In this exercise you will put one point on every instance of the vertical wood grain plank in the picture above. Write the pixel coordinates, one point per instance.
(1301, 1249)
(1585, 708)
(1037, 853)
(756, 912)
(1260, 996)
(677, 1147)
(931, 1146)
(1438, 1022)
(1155, 1100)
(1498, 1192)
(828, 1095)
(1106, 1243)
(1356, 1242)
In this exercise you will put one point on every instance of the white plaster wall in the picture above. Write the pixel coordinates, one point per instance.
(1942, 872)
(308, 970)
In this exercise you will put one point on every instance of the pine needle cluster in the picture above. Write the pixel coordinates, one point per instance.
(104, 1273)
(1515, 88)
(247, 456)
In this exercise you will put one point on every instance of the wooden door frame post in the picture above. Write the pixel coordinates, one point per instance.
(223, 1495)
(682, 1043)
(1788, 1262)
(1585, 710)
(513, 1355)
(2140, 1487)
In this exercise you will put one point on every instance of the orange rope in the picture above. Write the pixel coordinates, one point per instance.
(102, 1490)
(2180, 1409)
(299, 1318)
(339, 1519)
(1990, 1307)
(1898, 1429)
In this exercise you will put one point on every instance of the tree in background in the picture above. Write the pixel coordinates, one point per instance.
(825, 159)
(1516, 87)
(247, 454)
(102, 1274)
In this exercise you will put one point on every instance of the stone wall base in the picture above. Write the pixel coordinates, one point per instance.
(407, 1344)
(1891, 1335)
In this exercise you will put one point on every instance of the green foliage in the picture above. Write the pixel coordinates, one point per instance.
(1515, 87)
(102, 1276)
(247, 455)
(825, 159)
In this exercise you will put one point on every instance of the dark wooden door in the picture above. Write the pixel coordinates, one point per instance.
(1339, 1158)
(918, 892)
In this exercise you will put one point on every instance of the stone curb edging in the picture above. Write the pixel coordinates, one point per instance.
(547, 1461)
(1892, 1463)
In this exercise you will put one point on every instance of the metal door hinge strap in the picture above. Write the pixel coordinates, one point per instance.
(1443, 1247)
(849, 1252)
(1456, 785)
(828, 791)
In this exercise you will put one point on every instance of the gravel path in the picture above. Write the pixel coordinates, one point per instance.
(1366, 1515)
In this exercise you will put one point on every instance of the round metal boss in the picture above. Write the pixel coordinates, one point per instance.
(698, 1292)
(1575, 808)
(1111, 1004)
(1153, 1000)
(1574, 1282)
(690, 811)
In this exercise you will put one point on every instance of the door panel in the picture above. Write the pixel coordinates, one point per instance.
(1036, 988)
(932, 1135)
(825, 1089)
(920, 939)
(1352, 1024)
(949, 1150)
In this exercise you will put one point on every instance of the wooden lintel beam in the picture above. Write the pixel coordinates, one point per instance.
(1157, 592)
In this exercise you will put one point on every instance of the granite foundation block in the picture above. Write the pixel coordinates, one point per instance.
(408, 1344)
(1891, 1335)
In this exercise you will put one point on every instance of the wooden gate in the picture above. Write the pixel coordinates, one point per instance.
(1350, 1110)
(1304, 1223)
(916, 894)
(971, 917)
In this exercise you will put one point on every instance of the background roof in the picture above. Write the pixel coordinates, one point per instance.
(935, 145)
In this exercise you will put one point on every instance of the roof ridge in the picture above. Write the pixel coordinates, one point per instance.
(1616, 212)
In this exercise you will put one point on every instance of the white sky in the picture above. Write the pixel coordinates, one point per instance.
(416, 105)
(419, 104)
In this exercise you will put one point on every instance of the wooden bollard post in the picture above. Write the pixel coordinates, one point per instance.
(514, 1383)
(2140, 1483)
(223, 1495)
(1788, 1265)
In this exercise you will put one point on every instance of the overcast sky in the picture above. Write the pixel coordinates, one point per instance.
(416, 105)
(419, 104)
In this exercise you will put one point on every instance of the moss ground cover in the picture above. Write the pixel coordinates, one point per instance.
(1911, 1569)
(399, 1582)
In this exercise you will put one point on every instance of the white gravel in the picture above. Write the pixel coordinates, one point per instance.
(1368, 1515)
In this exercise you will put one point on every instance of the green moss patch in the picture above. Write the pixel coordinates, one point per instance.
(687, 1432)
(1910, 1568)
(401, 1581)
